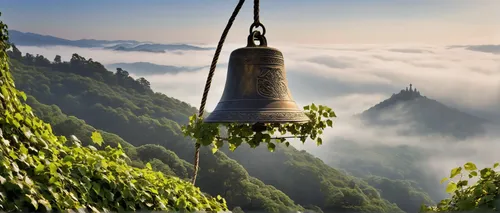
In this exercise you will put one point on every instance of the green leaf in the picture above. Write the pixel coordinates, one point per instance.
(23, 95)
(443, 180)
(271, 146)
(454, 172)
(148, 166)
(472, 174)
(495, 165)
(97, 138)
(332, 114)
(329, 123)
(313, 107)
(23, 149)
(53, 168)
(39, 169)
(319, 141)
(452, 187)
(470, 166)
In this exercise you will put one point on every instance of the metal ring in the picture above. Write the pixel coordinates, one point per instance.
(256, 25)
(256, 36)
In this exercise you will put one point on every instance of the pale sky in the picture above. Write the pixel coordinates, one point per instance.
(287, 21)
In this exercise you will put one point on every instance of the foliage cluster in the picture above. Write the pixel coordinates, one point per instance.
(40, 171)
(481, 196)
(209, 133)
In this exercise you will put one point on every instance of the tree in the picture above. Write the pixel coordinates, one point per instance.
(16, 53)
(145, 83)
(77, 59)
(57, 59)
(121, 73)
(42, 61)
(29, 58)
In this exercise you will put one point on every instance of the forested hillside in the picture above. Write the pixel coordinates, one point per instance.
(264, 197)
(41, 171)
(127, 107)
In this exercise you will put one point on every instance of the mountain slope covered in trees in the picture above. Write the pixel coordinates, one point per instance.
(41, 171)
(116, 103)
(169, 163)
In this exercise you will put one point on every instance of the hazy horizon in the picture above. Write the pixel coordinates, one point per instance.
(298, 22)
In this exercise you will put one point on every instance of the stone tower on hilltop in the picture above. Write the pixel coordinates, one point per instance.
(408, 93)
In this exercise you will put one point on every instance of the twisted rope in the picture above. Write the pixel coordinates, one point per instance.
(209, 81)
(256, 17)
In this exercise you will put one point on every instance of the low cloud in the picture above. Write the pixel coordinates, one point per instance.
(351, 139)
(350, 79)
(468, 80)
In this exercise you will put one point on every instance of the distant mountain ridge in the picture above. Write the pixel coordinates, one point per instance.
(157, 48)
(146, 68)
(32, 39)
(486, 48)
(427, 116)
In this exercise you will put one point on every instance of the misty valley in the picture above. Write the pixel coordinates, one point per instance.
(110, 126)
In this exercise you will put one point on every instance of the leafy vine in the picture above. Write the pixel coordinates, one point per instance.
(481, 196)
(235, 134)
(41, 172)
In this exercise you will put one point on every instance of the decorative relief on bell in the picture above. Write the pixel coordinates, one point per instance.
(259, 56)
(260, 116)
(271, 83)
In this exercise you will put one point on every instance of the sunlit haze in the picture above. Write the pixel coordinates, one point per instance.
(290, 21)
(414, 84)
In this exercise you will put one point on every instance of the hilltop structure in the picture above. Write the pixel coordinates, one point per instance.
(407, 94)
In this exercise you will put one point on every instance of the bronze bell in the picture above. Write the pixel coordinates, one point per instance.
(256, 89)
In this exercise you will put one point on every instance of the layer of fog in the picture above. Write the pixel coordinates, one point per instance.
(334, 74)
(443, 152)
(351, 79)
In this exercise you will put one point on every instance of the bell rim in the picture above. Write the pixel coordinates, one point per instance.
(223, 116)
